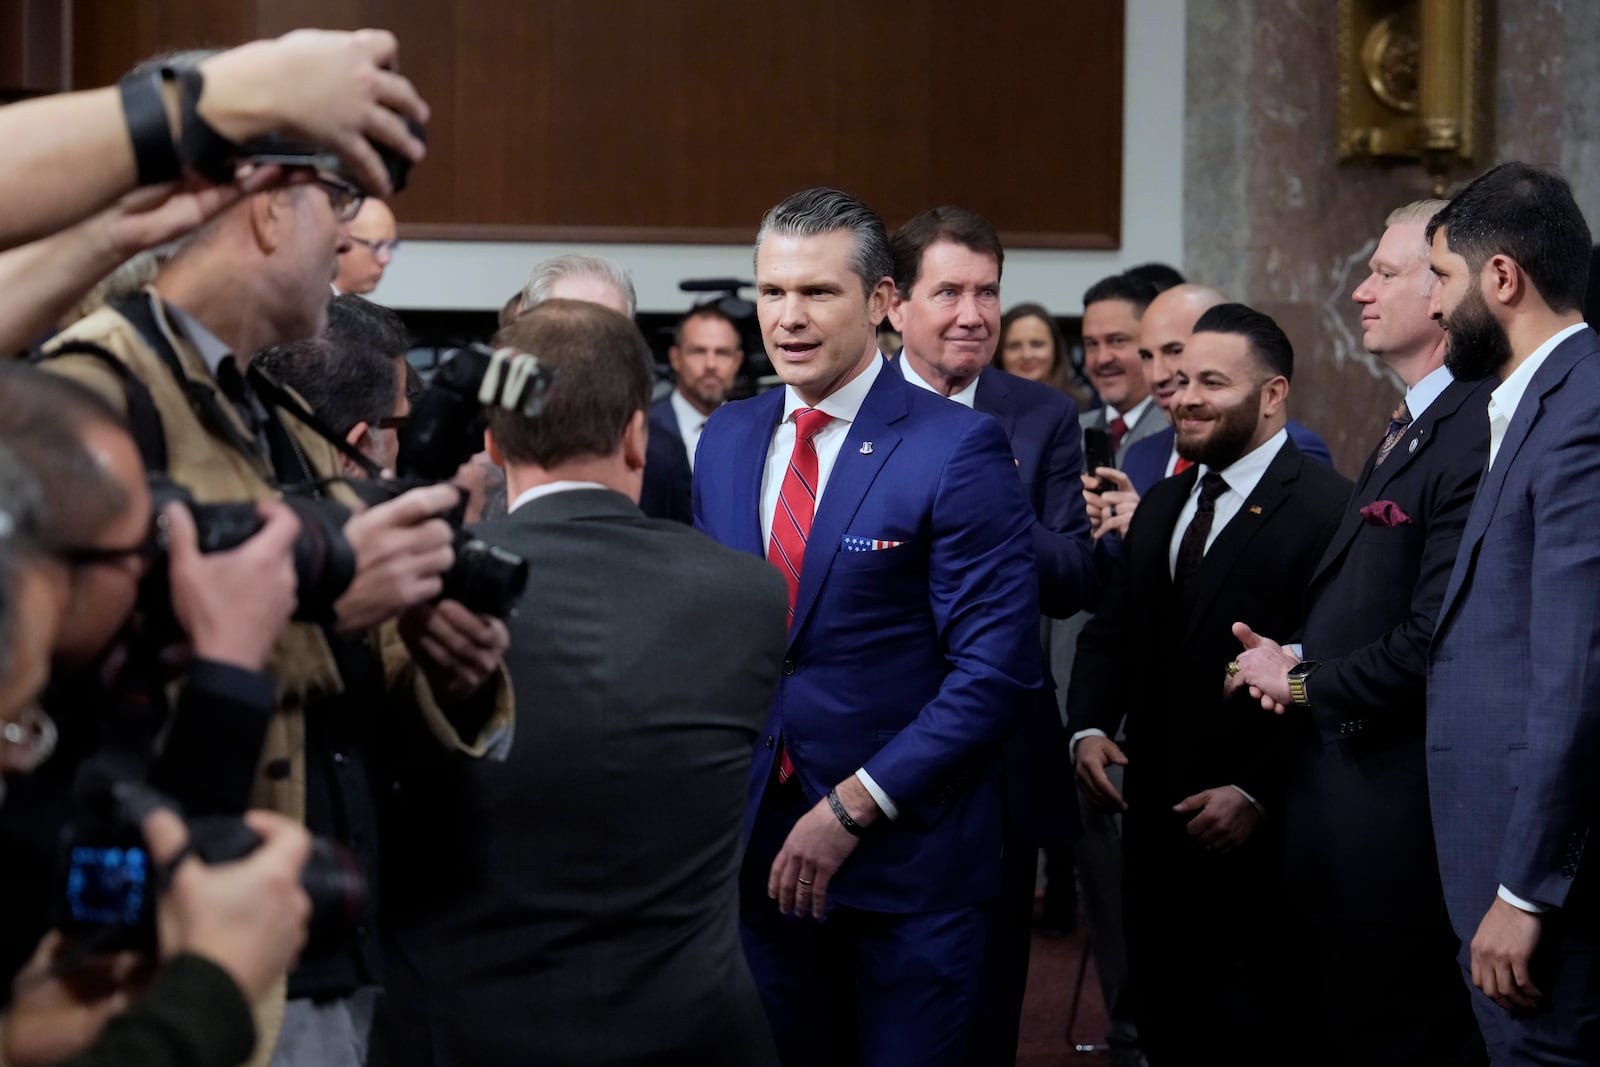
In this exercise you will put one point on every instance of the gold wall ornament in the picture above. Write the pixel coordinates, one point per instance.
(1411, 79)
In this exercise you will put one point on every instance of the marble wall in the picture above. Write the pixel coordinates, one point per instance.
(1273, 220)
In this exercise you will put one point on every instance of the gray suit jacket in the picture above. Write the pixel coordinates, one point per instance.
(581, 902)
(1152, 421)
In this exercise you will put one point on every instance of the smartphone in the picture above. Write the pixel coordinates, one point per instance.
(1097, 452)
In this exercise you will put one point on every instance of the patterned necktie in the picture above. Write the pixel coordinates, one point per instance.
(791, 522)
(1118, 429)
(1192, 549)
(1397, 428)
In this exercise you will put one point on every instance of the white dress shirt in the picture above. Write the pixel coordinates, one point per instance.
(550, 489)
(844, 405)
(1425, 392)
(1504, 400)
(1242, 476)
(965, 396)
(690, 423)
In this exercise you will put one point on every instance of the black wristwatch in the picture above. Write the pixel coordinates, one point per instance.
(1297, 681)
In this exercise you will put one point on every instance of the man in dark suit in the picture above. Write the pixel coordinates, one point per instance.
(1163, 332)
(901, 526)
(588, 914)
(603, 281)
(1360, 840)
(1514, 676)
(705, 357)
(946, 304)
(1202, 820)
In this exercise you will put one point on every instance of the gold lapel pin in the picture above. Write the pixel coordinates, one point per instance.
(1255, 509)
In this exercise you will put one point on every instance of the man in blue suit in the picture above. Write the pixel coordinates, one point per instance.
(1513, 729)
(901, 526)
(947, 264)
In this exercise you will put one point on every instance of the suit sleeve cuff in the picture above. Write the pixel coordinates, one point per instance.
(1254, 803)
(879, 797)
(1521, 905)
(1072, 745)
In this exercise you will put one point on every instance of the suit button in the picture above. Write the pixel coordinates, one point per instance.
(770, 743)
(788, 666)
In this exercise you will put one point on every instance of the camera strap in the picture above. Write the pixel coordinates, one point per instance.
(280, 397)
(289, 465)
(144, 421)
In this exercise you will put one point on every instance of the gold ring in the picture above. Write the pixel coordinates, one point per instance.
(804, 881)
(1234, 668)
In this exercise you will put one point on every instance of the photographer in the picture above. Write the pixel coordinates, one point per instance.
(257, 275)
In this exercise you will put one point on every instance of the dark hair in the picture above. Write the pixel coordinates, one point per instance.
(705, 311)
(946, 223)
(1131, 288)
(354, 321)
(1058, 340)
(1161, 276)
(23, 526)
(1528, 214)
(603, 375)
(346, 377)
(1265, 340)
(43, 417)
(820, 210)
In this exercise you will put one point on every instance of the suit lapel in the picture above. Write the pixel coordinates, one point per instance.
(853, 472)
(751, 443)
(993, 398)
(1230, 544)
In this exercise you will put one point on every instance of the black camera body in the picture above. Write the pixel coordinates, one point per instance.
(108, 883)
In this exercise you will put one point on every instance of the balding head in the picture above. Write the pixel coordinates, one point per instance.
(1165, 330)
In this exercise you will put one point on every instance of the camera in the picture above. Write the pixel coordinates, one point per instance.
(324, 562)
(108, 883)
(273, 149)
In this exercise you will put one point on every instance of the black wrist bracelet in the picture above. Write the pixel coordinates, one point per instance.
(855, 828)
(210, 154)
(145, 113)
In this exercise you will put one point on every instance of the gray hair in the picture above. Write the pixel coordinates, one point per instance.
(1418, 211)
(814, 212)
(543, 278)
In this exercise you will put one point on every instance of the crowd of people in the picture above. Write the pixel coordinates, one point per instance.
(528, 716)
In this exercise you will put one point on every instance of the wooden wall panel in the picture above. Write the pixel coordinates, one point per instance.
(650, 120)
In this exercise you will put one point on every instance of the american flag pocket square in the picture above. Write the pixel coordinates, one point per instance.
(852, 543)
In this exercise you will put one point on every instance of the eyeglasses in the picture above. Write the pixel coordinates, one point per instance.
(345, 196)
(377, 248)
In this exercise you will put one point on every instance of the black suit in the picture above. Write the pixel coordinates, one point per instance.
(577, 903)
(1360, 837)
(1205, 937)
(667, 490)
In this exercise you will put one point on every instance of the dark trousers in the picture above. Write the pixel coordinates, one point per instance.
(858, 988)
(1005, 972)
(1564, 1030)
(1417, 1013)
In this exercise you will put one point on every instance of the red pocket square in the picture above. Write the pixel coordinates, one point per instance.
(1385, 513)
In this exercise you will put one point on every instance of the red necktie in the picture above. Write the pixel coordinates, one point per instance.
(1118, 429)
(791, 521)
(1182, 465)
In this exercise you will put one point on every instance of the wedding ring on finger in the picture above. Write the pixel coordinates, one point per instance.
(804, 882)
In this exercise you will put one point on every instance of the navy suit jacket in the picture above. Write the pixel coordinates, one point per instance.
(913, 661)
(1047, 445)
(1514, 677)
(1360, 837)
(666, 493)
(1145, 463)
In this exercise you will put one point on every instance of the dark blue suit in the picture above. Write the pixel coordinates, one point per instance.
(665, 493)
(912, 662)
(1514, 705)
(1146, 461)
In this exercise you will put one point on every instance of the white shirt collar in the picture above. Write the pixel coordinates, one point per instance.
(1131, 417)
(1508, 394)
(689, 416)
(844, 403)
(1425, 392)
(966, 395)
(1244, 473)
(550, 489)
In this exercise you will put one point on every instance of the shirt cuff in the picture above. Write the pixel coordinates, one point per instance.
(1072, 745)
(878, 795)
(1298, 650)
(1521, 905)
(1254, 803)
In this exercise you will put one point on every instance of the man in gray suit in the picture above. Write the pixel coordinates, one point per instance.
(590, 912)
(1112, 308)
(1513, 735)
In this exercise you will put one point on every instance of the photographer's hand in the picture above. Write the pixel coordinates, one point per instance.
(56, 1016)
(457, 649)
(249, 916)
(234, 604)
(329, 87)
(402, 551)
